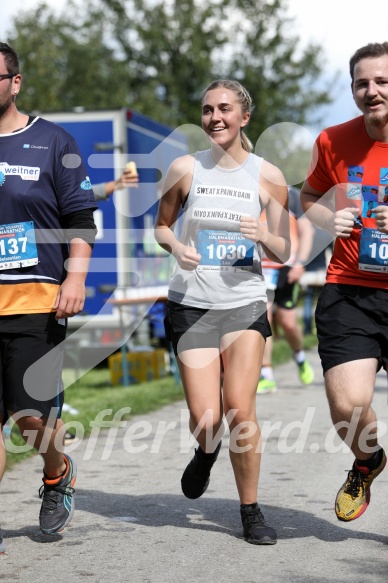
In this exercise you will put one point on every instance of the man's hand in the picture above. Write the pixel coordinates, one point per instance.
(70, 298)
(343, 222)
(295, 273)
(71, 295)
(129, 177)
(381, 215)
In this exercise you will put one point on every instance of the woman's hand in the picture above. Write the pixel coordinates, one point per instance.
(253, 229)
(187, 257)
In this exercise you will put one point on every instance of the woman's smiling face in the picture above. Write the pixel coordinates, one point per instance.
(222, 117)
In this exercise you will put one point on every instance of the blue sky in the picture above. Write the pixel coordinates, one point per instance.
(339, 26)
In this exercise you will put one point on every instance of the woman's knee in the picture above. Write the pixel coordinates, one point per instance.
(240, 415)
(208, 421)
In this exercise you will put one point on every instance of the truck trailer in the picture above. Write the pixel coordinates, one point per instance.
(126, 261)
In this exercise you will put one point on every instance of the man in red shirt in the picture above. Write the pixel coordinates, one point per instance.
(344, 194)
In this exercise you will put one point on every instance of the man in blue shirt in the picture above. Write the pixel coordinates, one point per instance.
(46, 237)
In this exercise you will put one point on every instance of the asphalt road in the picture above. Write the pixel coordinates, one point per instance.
(132, 524)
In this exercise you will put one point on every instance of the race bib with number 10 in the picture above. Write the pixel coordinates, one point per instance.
(373, 255)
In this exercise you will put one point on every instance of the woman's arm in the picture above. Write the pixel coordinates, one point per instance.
(176, 187)
(275, 239)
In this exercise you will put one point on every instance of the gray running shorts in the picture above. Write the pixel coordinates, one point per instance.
(198, 328)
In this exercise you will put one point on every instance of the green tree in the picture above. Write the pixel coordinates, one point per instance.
(182, 45)
(267, 60)
(157, 56)
(173, 44)
(66, 61)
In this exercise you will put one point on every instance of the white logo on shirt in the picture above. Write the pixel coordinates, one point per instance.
(25, 172)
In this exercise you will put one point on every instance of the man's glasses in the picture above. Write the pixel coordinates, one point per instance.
(7, 76)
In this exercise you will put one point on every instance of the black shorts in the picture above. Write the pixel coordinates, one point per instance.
(24, 340)
(198, 328)
(352, 324)
(286, 294)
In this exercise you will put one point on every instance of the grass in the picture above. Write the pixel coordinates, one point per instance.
(282, 353)
(93, 393)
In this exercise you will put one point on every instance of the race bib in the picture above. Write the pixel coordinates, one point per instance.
(18, 245)
(373, 254)
(224, 251)
(271, 277)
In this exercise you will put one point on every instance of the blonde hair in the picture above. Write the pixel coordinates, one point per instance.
(243, 98)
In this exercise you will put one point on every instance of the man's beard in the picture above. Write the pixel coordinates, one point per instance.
(377, 120)
(5, 105)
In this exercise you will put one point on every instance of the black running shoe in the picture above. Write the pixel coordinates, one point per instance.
(2, 543)
(256, 530)
(196, 477)
(57, 501)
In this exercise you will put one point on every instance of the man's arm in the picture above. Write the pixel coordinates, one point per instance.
(71, 294)
(80, 230)
(319, 208)
(129, 178)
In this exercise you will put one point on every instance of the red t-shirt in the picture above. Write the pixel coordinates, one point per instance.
(357, 166)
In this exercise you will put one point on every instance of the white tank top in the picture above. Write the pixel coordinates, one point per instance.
(229, 274)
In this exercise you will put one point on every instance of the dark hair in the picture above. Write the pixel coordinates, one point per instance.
(370, 51)
(10, 58)
(243, 98)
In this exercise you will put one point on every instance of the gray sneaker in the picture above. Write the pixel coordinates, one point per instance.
(2, 543)
(58, 501)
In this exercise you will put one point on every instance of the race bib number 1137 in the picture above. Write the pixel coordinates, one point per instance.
(18, 245)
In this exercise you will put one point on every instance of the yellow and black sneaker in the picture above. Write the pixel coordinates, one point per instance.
(266, 386)
(354, 496)
(306, 373)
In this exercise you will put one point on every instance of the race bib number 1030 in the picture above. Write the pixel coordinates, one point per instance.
(224, 251)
